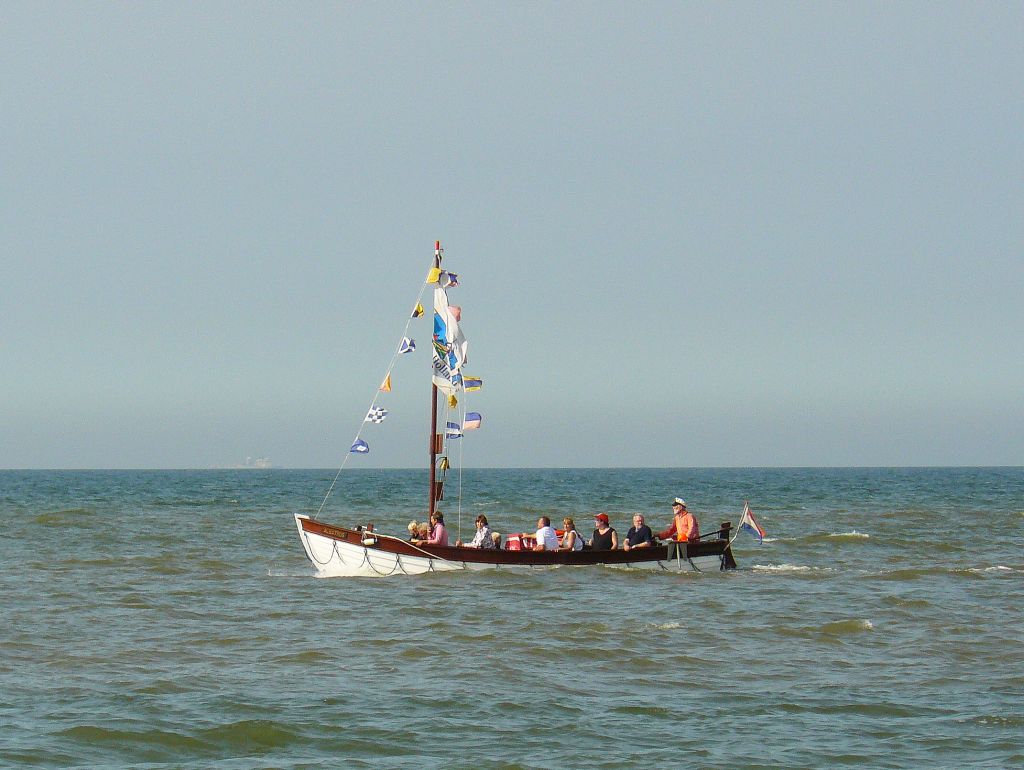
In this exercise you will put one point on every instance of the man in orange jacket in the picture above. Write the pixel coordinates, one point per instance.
(683, 526)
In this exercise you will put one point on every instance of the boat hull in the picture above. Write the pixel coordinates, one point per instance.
(341, 552)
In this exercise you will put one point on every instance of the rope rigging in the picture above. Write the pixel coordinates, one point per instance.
(373, 403)
(359, 446)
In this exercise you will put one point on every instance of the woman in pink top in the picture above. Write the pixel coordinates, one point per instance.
(438, 534)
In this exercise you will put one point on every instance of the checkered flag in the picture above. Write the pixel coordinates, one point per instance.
(376, 414)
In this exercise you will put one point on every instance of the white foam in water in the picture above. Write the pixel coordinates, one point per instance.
(781, 568)
(666, 626)
(304, 573)
(997, 568)
(852, 533)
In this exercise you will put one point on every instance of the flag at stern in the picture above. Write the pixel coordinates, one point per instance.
(748, 524)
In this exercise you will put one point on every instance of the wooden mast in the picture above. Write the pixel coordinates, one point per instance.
(433, 415)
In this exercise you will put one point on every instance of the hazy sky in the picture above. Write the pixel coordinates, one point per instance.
(688, 234)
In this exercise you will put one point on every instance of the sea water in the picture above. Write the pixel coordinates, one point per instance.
(170, 619)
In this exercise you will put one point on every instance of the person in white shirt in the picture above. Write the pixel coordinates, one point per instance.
(572, 540)
(547, 540)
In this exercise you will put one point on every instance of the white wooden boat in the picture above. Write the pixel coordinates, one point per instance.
(339, 551)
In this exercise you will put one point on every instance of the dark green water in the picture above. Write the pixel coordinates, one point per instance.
(169, 619)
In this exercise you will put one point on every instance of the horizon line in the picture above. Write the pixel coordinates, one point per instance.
(513, 468)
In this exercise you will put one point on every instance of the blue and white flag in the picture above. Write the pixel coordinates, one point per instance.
(449, 344)
(360, 447)
(376, 414)
(408, 345)
(448, 280)
(454, 431)
(472, 421)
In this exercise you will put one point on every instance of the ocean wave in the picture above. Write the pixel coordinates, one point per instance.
(126, 740)
(915, 573)
(291, 573)
(982, 570)
(899, 601)
(305, 657)
(80, 563)
(844, 627)
(835, 538)
(161, 687)
(787, 568)
(877, 709)
(249, 733)
(644, 711)
(136, 602)
(999, 720)
(909, 573)
(65, 517)
(835, 629)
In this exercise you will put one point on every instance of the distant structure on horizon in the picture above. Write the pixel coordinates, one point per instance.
(259, 462)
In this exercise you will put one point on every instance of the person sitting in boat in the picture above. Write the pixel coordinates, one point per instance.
(683, 526)
(547, 539)
(572, 540)
(483, 538)
(605, 538)
(438, 534)
(639, 535)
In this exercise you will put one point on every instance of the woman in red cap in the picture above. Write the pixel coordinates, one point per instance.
(605, 538)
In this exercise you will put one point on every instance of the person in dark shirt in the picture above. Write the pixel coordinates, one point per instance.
(639, 535)
(605, 538)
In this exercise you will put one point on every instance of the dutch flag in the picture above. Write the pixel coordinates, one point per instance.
(748, 524)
